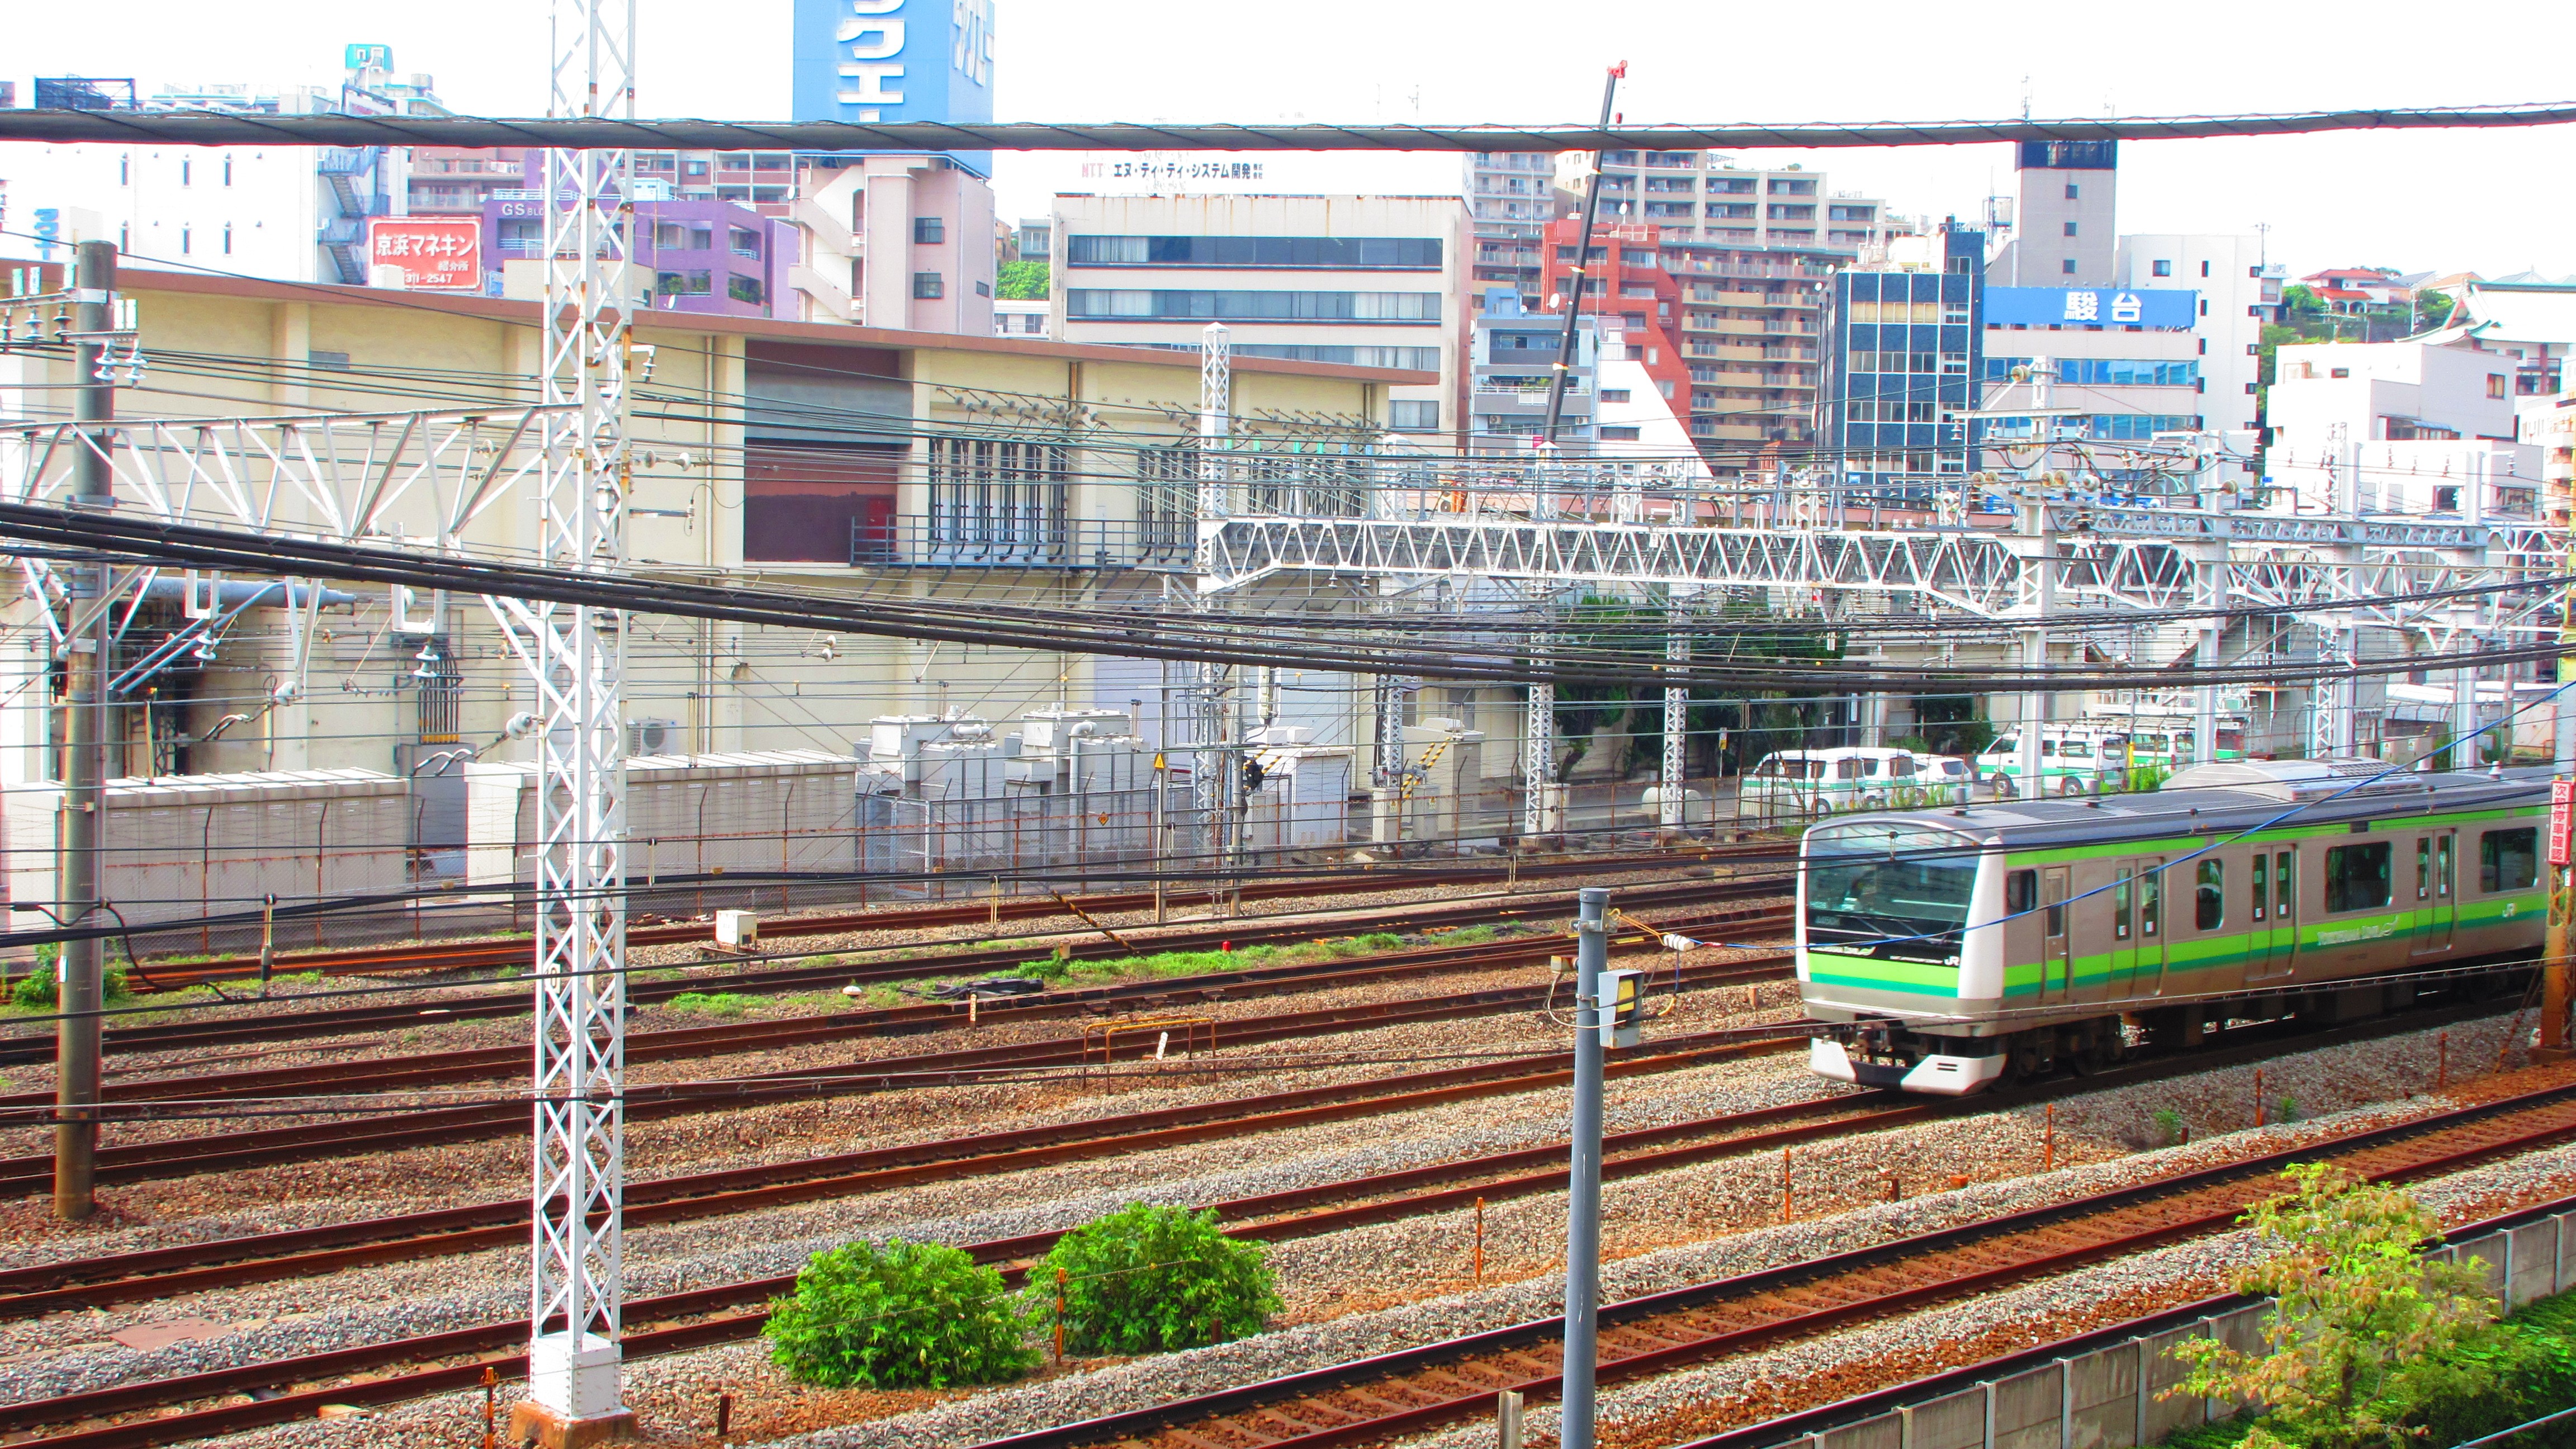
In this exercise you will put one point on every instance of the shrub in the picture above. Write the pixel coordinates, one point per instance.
(2169, 1126)
(1150, 1279)
(2368, 1344)
(905, 1315)
(37, 992)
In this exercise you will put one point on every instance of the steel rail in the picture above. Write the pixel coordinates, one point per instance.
(1774, 1304)
(680, 1043)
(303, 1252)
(643, 990)
(388, 1132)
(431, 956)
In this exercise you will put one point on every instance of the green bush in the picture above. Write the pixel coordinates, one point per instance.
(905, 1315)
(36, 993)
(1151, 1279)
(2169, 1126)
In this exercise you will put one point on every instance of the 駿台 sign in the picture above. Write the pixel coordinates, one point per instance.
(2157, 308)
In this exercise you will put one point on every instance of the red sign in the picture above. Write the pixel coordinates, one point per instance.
(2562, 808)
(432, 253)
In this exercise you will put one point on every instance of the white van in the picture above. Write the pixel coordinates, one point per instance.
(2073, 760)
(1945, 779)
(1819, 782)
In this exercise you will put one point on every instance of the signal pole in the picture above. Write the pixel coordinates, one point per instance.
(79, 971)
(1583, 1195)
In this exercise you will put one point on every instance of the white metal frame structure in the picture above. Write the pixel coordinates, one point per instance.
(576, 657)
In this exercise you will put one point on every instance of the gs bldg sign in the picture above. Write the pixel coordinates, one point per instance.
(870, 62)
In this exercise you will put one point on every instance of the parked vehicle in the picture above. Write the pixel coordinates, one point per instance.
(1944, 779)
(1821, 782)
(2073, 760)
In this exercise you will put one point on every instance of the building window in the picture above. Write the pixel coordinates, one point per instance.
(2067, 265)
(1191, 306)
(992, 500)
(743, 289)
(327, 361)
(746, 243)
(228, 171)
(125, 170)
(983, 289)
(684, 284)
(929, 230)
(125, 236)
(2163, 268)
(228, 238)
(1409, 415)
(187, 171)
(2070, 228)
(1614, 394)
(2204, 269)
(2495, 380)
(927, 284)
(184, 236)
(1275, 252)
(1618, 435)
(2074, 192)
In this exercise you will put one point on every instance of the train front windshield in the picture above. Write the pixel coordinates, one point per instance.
(1905, 899)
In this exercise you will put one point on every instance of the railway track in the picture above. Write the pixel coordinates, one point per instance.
(268, 1257)
(1419, 1388)
(391, 1131)
(758, 978)
(437, 956)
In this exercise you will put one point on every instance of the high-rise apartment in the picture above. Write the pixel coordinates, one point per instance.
(2067, 221)
(1904, 346)
(1510, 196)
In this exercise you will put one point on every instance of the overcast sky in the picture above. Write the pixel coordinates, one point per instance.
(2489, 201)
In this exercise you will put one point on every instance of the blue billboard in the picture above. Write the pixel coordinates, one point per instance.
(888, 62)
(2162, 309)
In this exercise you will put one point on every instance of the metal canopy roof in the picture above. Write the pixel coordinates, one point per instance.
(236, 128)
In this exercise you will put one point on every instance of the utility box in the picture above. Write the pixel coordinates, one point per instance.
(739, 930)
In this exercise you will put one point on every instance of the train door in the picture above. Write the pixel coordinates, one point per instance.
(2137, 927)
(2057, 957)
(2272, 924)
(2437, 896)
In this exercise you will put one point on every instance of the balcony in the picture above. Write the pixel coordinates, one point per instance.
(1159, 543)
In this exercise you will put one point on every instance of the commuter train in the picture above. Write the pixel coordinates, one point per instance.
(1950, 949)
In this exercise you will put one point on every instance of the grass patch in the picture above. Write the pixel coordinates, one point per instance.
(710, 1003)
(1201, 963)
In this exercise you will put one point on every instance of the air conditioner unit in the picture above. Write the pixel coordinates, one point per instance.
(652, 736)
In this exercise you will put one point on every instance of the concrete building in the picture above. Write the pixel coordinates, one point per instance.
(696, 256)
(2239, 294)
(2427, 425)
(1510, 194)
(2065, 225)
(859, 461)
(904, 242)
(1903, 348)
(1692, 196)
(1367, 281)
(293, 213)
(1512, 355)
(1024, 318)
(2127, 362)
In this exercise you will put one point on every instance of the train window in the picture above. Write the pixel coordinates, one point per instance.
(2209, 896)
(2151, 902)
(2283, 897)
(2021, 890)
(2445, 874)
(2423, 867)
(2357, 877)
(2509, 860)
(2258, 880)
(2120, 893)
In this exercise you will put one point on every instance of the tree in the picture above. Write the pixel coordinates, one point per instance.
(2368, 1342)
(1024, 281)
(905, 1315)
(1151, 1279)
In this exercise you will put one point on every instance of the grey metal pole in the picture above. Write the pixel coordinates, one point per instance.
(1582, 268)
(79, 972)
(1583, 1198)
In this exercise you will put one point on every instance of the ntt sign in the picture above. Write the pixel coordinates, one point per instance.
(891, 61)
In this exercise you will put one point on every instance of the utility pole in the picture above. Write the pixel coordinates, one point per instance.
(1583, 1196)
(1582, 268)
(79, 975)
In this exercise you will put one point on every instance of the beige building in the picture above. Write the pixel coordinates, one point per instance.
(868, 462)
(1703, 196)
(1372, 281)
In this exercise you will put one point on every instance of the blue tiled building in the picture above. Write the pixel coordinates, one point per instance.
(1902, 363)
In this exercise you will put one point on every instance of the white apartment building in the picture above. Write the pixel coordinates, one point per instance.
(2239, 294)
(2422, 426)
(1371, 281)
(289, 213)
(1511, 195)
(1704, 196)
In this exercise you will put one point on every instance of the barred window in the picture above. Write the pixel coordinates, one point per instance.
(999, 500)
